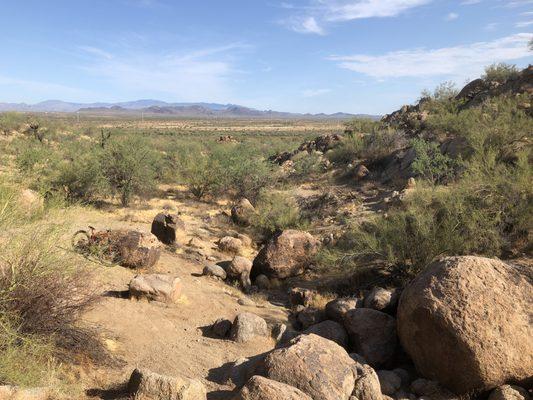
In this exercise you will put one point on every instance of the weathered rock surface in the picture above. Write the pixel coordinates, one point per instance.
(243, 212)
(238, 266)
(367, 385)
(317, 366)
(330, 330)
(337, 309)
(286, 254)
(246, 326)
(261, 388)
(156, 287)
(372, 335)
(382, 299)
(132, 249)
(229, 244)
(464, 322)
(214, 270)
(164, 227)
(146, 385)
(508, 392)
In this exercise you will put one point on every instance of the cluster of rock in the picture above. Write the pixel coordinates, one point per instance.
(320, 144)
(444, 321)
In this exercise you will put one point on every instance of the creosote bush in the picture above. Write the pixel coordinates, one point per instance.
(276, 211)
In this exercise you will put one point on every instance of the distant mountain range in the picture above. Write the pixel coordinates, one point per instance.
(162, 108)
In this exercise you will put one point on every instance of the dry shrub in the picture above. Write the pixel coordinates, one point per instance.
(43, 293)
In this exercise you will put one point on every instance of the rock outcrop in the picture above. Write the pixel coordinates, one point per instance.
(465, 322)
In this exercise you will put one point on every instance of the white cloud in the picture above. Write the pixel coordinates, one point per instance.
(470, 2)
(456, 62)
(315, 92)
(491, 26)
(96, 51)
(524, 24)
(319, 13)
(451, 16)
(304, 25)
(202, 74)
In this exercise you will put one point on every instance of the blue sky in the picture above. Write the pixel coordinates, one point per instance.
(360, 56)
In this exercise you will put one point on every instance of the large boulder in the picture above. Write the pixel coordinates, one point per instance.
(317, 366)
(246, 326)
(466, 322)
(164, 227)
(146, 385)
(372, 335)
(242, 212)
(261, 388)
(132, 249)
(286, 254)
(156, 287)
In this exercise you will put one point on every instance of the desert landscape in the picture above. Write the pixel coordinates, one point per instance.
(193, 248)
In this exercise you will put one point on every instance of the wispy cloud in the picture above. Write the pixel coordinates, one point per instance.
(315, 92)
(184, 76)
(524, 24)
(318, 14)
(451, 16)
(457, 62)
(43, 89)
(470, 2)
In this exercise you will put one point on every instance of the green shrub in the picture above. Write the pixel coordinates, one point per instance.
(500, 72)
(430, 163)
(276, 211)
(349, 150)
(362, 125)
(129, 166)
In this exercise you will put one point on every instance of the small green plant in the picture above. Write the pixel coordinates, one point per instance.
(430, 163)
(276, 211)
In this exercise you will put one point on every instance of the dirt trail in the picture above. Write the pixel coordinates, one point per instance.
(170, 339)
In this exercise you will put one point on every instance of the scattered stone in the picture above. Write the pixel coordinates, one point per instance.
(246, 326)
(317, 366)
(508, 392)
(229, 244)
(221, 327)
(214, 270)
(286, 254)
(243, 212)
(372, 334)
(164, 227)
(16, 393)
(382, 299)
(261, 388)
(361, 172)
(337, 309)
(146, 385)
(310, 316)
(448, 314)
(262, 282)
(156, 287)
(238, 266)
(330, 330)
(282, 333)
(131, 249)
(389, 381)
(367, 385)
(301, 296)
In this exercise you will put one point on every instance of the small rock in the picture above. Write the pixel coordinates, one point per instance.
(245, 301)
(246, 326)
(229, 244)
(508, 392)
(330, 330)
(146, 385)
(390, 382)
(367, 385)
(382, 299)
(243, 212)
(237, 266)
(310, 316)
(301, 296)
(336, 309)
(262, 282)
(411, 183)
(221, 327)
(361, 172)
(214, 270)
(283, 333)
(156, 287)
(164, 227)
(260, 388)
